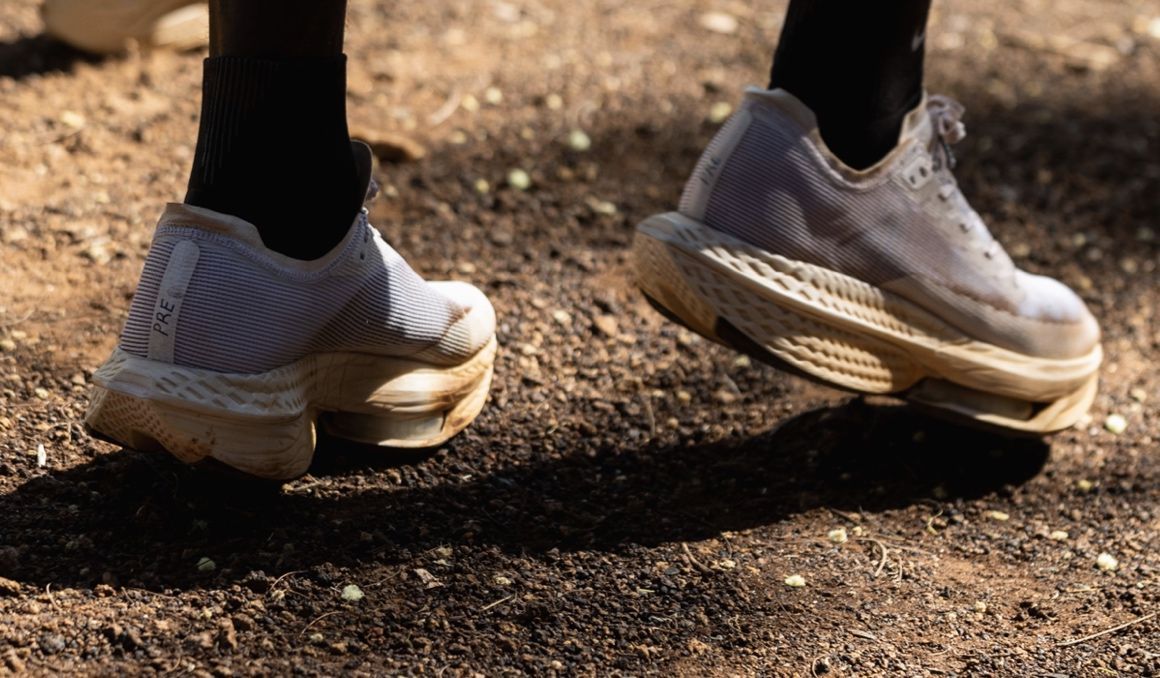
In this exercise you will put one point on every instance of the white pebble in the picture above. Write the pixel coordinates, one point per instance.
(579, 141)
(1116, 424)
(795, 580)
(720, 112)
(1107, 562)
(838, 535)
(352, 593)
(519, 180)
(719, 22)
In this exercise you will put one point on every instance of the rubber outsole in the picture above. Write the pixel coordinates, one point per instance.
(264, 424)
(844, 333)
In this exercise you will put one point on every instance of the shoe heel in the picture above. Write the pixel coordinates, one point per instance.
(411, 429)
(276, 449)
(662, 281)
(384, 432)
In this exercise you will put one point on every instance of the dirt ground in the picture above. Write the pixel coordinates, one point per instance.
(633, 499)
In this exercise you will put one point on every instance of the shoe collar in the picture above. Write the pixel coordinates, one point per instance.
(917, 132)
(181, 215)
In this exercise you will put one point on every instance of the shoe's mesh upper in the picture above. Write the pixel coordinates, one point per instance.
(244, 312)
(776, 190)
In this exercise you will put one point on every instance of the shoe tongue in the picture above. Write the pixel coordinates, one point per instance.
(917, 126)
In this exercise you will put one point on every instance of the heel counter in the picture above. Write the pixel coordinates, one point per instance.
(695, 197)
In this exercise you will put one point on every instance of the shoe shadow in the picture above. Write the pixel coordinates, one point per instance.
(40, 54)
(144, 521)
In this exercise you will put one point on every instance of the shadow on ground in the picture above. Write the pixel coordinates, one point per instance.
(142, 520)
(28, 56)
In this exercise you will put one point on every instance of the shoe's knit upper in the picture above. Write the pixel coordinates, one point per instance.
(212, 296)
(246, 309)
(902, 225)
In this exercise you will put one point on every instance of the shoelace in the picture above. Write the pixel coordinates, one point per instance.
(946, 116)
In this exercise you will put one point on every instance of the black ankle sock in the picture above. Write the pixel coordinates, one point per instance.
(273, 149)
(858, 65)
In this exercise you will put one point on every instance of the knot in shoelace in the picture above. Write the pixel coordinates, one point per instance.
(946, 116)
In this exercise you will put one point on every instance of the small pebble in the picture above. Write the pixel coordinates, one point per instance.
(72, 119)
(1107, 562)
(352, 593)
(206, 565)
(493, 96)
(720, 112)
(1138, 394)
(482, 187)
(606, 325)
(519, 180)
(998, 515)
(838, 535)
(41, 456)
(795, 580)
(1058, 535)
(554, 102)
(602, 206)
(1084, 485)
(1116, 424)
(579, 141)
(500, 580)
(719, 22)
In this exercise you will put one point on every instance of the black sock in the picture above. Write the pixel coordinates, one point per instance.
(858, 65)
(273, 149)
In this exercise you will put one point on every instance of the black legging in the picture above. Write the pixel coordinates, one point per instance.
(858, 65)
(276, 73)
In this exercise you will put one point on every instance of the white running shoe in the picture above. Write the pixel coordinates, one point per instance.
(877, 281)
(232, 351)
(107, 26)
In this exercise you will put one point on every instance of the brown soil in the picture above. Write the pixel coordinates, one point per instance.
(633, 498)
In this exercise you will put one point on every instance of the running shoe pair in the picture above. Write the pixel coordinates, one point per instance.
(879, 281)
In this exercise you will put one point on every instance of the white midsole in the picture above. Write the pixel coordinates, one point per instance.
(328, 382)
(859, 308)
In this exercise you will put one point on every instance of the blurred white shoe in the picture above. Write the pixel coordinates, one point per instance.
(108, 26)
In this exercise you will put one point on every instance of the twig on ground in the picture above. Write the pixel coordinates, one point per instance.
(316, 620)
(1138, 620)
(882, 549)
(652, 418)
(693, 561)
(501, 601)
(852, 518)
(444, 112)
(279, 579)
